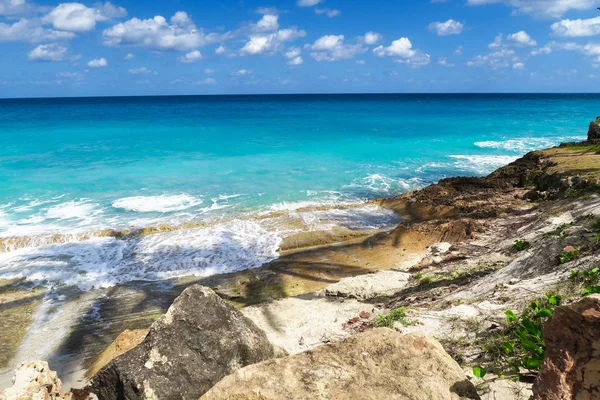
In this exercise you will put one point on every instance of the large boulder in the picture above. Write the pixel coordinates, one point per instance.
(200, 340)
(369, 286)
(35, 381)
(126, 341)
(571, 369)
(378, 364)
(594, 131)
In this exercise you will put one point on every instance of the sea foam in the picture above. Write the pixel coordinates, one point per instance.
(162, 203)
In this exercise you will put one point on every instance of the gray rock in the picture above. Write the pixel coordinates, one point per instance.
(200, 340)
(440, 248)
(594, 131)
(370, 286)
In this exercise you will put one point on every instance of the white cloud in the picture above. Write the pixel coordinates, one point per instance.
(502, 58)
(220, 50)
(241, 72)
(518, 65)
(296, 61)
(328, 11)
(372, 38)
(98, 63)
(443, 61)
(270, 43)
(207, 81)
(577, 27)
(458, 50)
(16, 7)
(333, 48)
(450, 27)
(209, 71)
(268, 23)
(190, 57)
(48, 52)
(157, 34)
(129, 56)
(402, 50)
(25, 30)
(497, 42)
(308, 3)
(76, 17)
(293, 55)
(521, 38)
(590, 49)
(142, 71)
(541, 8)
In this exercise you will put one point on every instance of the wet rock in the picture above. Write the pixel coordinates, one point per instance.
(200, 340)
(370, 286)
(571, 369)
(35, 381)
(126, 341)
(377, 364)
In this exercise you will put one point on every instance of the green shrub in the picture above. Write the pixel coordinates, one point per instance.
(521, 245)
(569, 255)
(399, 315)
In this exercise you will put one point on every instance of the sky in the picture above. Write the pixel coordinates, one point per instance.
(187, 47)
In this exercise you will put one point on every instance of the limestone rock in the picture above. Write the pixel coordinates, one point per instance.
(370, 286)
(35, 381)
(126, 341)
(200, 340)
(440, 248)
(571, 369)
(377, 364)
(594, 131)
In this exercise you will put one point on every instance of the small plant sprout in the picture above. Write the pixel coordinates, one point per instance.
(399, 315)
(569, 253)
(521, 245)
(479, 372)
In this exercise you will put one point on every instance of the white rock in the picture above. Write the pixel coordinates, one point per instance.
(364, 287)
(440, 248)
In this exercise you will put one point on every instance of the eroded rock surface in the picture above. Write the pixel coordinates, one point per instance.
(571, 369)
(200, 340)
(378, 364)
(370, 286)
(35, 381)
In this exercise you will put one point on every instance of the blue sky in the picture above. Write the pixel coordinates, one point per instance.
(124, 47)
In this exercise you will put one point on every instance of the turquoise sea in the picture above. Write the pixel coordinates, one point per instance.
(76, 166)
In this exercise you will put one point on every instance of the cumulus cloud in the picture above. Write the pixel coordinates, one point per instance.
(48, 52)
(16, 7)
(328, 11)
(540, 8)
(371, 38)
(270, 43)
(98, 63)
(268, 23)
(241, 72)
(308, 3)
(293, 55)
(589, 49)
(157, 34)
(190, 57)
(129, 56)
(76, 17)
(577, 27)
(518, 65)
(502, 58)
(450, 27)
(404, 53)
(443, 61)
(207, 81)
(30, 31)
(333, 48)
(521, 38)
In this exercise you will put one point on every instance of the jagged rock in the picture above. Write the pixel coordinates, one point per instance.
(126, 341)
(35, 381)
(440, 248)
(571, 369)
(594, 131)
(370, 286)
(200, 340)
(377, 364)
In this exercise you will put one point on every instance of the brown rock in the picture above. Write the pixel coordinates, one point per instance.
(126, 341)
(594, 131)
(377, 364)
(571, 369)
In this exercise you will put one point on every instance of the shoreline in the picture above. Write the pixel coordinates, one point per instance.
(448, 211)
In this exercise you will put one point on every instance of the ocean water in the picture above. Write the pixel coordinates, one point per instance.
(70, 168)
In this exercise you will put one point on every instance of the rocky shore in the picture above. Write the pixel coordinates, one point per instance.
(486, 289)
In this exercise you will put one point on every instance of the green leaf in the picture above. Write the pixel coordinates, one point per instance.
(532, 362)
(510, 316)
(531, 327)
(590, 290)
(554, 300)
(508, 348)
(529, 345)
(544, 313)
(479, 372)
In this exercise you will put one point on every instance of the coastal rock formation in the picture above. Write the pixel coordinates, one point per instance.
(200, 340)
(370, 286)
(594, 131)
(377, 364)
(126, 341)
(35, 381)
(571, 369)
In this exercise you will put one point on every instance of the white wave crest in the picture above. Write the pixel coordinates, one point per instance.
(162, 203)
(379, 183)
(106, 261)
(481, 164)
(525, 145)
